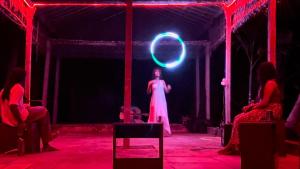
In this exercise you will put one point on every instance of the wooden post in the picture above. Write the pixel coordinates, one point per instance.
(207, 81)
(272, 32)
(128, 66)
(46, 73)
(227, 86)
(56, 91)
(197, 69)
(28, 52)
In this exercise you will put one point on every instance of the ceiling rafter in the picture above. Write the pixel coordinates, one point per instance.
(122, 43)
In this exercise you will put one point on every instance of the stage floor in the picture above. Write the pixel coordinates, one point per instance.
(94, 151)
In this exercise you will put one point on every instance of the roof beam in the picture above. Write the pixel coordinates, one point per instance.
(122, 43)
(146, 4)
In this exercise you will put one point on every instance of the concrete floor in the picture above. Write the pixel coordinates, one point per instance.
(86, 151)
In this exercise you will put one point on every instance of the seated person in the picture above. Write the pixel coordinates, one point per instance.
(270, 100)
(135, 114)
(16, 114)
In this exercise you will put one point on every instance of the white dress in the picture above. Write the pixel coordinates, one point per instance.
(158, 105)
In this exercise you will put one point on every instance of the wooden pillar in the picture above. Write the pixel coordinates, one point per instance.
(128, 65)
(207, 81)
(197, 73)
(28, 52)
(56, 91)
(272, 32)
(227, 85)
(46, 73)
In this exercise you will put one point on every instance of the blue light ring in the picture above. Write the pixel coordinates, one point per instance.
(172, 64)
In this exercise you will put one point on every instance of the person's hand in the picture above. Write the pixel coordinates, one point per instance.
(169, 87)
(245, 108)
(26, 106)
(25, 100)
(121, 116)
(248, 107)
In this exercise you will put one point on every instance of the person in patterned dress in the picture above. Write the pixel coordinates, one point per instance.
(269, 100)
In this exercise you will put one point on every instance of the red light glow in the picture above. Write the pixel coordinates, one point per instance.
(142, 4)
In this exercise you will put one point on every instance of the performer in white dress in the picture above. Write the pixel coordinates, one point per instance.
(158, 104)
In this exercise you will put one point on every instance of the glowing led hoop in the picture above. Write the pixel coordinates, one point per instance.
(169, 35)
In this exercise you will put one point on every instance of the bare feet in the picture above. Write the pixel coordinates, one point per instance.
(53, 135)
(229, 150)
(49, 148)
(167, 135)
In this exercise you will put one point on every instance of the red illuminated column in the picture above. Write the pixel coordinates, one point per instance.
(272, 32)
(128, 65)
(128, 61)
(227, 85)
(28, 51)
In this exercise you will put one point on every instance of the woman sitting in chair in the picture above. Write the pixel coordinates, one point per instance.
(269, 100)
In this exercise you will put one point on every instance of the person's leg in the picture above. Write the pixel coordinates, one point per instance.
(233, 145)
(294, 116)
(40, 115)
(252, 116)
(152, 115)
(166, 125)
(230, 148)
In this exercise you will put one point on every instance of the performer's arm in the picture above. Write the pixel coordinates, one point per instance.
(15, 97)
(248, 107)
(149, 87)
(167, 88)
(268, 91)
(16, 113)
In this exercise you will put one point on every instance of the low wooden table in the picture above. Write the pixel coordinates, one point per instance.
(138, 130)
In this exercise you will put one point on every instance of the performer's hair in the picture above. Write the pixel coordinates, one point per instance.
(17, 75)
(266, 71)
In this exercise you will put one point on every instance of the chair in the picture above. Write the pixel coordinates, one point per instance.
(8, 138)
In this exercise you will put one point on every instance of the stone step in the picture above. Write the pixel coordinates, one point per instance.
(16, 166)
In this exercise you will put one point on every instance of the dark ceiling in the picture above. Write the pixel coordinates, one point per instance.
(108, 23)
